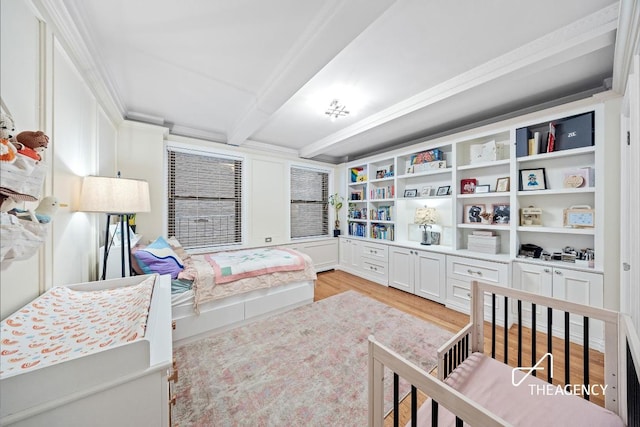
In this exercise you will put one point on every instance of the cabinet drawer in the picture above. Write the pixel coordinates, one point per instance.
(459, 298)
(375, 251)
(473, 269)
(376, 269)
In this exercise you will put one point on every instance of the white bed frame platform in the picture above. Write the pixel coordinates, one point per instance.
(226, 313)
(124, 385)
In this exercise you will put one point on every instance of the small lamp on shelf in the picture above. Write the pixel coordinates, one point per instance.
(424, 218)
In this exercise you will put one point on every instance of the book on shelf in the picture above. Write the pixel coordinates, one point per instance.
(387, 192)
(382, 213)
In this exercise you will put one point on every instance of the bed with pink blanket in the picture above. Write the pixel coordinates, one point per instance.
(473, 387)
(233, 287)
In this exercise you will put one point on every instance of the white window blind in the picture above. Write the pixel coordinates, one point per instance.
(309, 201)
(205, 199)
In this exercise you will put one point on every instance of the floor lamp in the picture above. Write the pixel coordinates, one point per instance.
(115, 197)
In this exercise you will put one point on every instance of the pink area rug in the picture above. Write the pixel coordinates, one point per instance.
(305, 367)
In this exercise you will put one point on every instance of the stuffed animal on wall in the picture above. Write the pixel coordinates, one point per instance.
(7, 149)
(32, 143)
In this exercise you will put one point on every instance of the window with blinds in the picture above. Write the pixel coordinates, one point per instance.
(309, 203)
(204, 198)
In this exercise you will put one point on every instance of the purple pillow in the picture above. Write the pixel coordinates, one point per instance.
(159, 258)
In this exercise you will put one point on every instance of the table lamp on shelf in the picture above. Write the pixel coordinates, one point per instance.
(424, 218)
(116, 197)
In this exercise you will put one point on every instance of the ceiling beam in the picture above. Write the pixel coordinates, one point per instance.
(337, 25)
(587, 34)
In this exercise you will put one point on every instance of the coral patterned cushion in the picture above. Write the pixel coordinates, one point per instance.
(64, 324)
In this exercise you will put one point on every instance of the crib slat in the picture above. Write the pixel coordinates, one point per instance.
(567, 348)
(459, 422)
(434, 413)
(506, 330)
(447, 371)
(519, 332)
(534, 335)
(414, 406)
(396, 400)
(493, 326)
(549, 341)
(585, 346)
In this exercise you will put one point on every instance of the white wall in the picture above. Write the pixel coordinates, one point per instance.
(19, 88)
(45, 91)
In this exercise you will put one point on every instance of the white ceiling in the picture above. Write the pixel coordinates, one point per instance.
(261, 73)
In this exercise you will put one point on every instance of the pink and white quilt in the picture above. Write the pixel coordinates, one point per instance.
(64, 324)
(236, 265)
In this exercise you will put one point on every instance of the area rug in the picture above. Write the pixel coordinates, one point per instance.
(305, 367)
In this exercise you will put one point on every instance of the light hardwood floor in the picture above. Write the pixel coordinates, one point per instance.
(335, 282)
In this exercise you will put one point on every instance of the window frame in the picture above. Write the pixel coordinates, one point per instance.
(210, 152)
(330, 214)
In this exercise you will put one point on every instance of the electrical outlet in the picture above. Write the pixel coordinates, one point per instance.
(267, 239)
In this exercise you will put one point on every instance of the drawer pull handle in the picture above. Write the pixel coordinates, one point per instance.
(470, 271)
(173, 325)
(546, 270)
(558, 272)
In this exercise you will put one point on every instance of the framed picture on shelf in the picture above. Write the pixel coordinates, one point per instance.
(381, 173)
(483, 188)
(503, 184)
(533, 179)
(411, 192)
(468, 186)
(426, 191)
(443, 191)
(472, 213)
(501, 213)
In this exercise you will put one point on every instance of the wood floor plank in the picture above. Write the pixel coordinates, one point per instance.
(334, 282)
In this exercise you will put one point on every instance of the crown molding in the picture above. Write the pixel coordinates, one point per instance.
(73, 36)
(627, 43)
(588, 33)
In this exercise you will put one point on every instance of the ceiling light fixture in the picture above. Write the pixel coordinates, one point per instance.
(336, 110)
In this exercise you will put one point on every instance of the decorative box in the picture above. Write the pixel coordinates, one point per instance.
(487, 152)
(484, 244)
(424, 167)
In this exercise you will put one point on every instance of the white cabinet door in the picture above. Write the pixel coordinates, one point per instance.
(430, 275)
(401, 266)
(537, 279)
(583, 288)
(323, 253)
(349, 254)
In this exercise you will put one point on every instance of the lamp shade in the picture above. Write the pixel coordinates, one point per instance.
(114, 195)
(425, 216)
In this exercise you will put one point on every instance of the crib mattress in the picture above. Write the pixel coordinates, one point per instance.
(489, 383)
(64, 324)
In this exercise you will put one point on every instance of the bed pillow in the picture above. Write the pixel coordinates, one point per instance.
(134, 261)
(159, 258)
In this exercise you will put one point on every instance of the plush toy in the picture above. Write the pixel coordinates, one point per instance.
(31, 143)
(7, 149)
